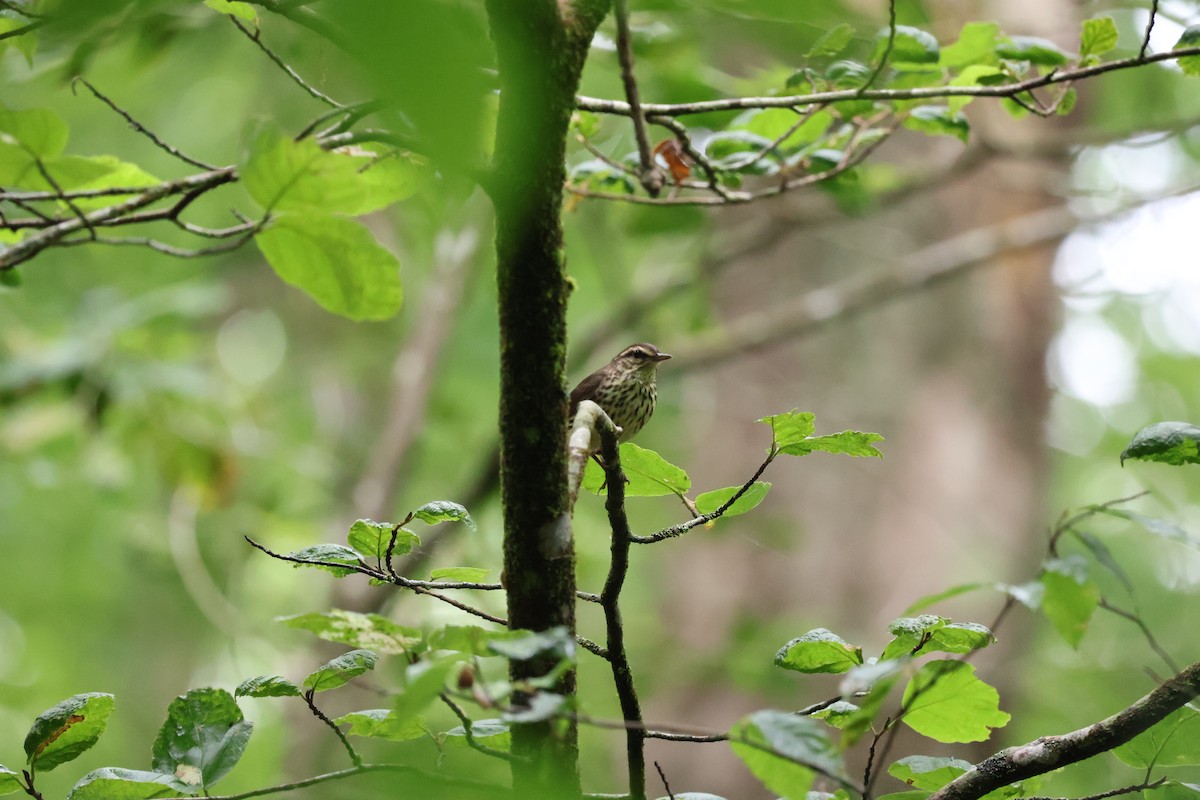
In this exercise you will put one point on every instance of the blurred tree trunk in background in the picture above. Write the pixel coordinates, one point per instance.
(960, 494)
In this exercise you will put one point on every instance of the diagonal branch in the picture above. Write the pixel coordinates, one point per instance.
(651, 178)
(1050, 753)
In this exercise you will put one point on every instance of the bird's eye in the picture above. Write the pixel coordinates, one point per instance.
(640, 354)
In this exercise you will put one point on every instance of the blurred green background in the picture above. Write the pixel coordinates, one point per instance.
(153, 411)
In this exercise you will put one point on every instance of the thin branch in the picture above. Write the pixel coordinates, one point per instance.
(18, 8)
(887, 50)
(703, 519)
(1050, 753)
(469, 734)
(1141, 787)
(617, 107)
(142, 129)
(24, 29)
(1146, 632)
(355, 758)
(651, 178)
(618, 569)
(663, 777)
(312, 91)
(1149, 28)
(412, 772)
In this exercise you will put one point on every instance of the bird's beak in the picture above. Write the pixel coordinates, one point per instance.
(662, 356)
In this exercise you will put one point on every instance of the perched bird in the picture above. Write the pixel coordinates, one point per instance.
(624, 388)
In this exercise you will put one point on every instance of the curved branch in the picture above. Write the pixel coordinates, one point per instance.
(1053, 752)
(617, 107)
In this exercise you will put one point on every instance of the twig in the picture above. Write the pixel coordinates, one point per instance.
(469, 734)
(355, 758)
(24, 29)
(1145, 629)
(414, 773)
(1149, 28)
(617, 107)
(610, 601)
(887, 51)
(142, 129)
(684, 527)
(651, 178)
(1053, 752)
(663, 777)
(312, 91)
(20, 9)
(1141, 787)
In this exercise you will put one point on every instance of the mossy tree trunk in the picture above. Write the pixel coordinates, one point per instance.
(541, 46)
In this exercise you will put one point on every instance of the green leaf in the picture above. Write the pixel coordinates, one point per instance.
(851, 443)
(1098, 36)
(838, 714)
(943, 636)
(340, 670)
(491, 732)
(954, 591)
(1070, 597)
(1173, 742)
(1173, 443)
(522, 645)
(1190, 66)
(336, 261)
(234, 9)
(819, 650)
(790, 428)
(773, 123)
(585, 123)
(847, 74)
(974, 75)
(831, 42)
(927, 772)
(10, 278)
(542, 706)
(1159, 527)
(372, 539)
(423, 682)
(9, 781)
(938, 121)
(1041, 52)
(329, 556)
(284, 174)
(114, 783)
(911, 46)
(64, 732)
(201, 740)
(782, 750)
(709, 502)
(649, 474)
(869, 685)
(363, 631)
(469, 639)
(976, 44)
(267, 686)
(946, 702)
(39, 132)
(381, 723)
(444, 511)
(459, 574)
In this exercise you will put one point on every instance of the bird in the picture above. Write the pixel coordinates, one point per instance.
(625, 388)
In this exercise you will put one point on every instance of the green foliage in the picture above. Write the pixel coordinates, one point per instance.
(493, 733)
(329, 557)
(9, 781)
(708, 502)
(650, 475)
(1070, 596)
(1189, 38)
(423, 682)
(362, 631)
(340, 670)
(372, 539)
(201, 740)
(525, 645)
(928, 634)
(791, 434)
(336, 261)
(819, 650)
(1098, 36)
(115, 783)
(1040, 52)
(381, 723)
(1173, 742)
(1172, 443)
(976, 45)
(910, 46)
(234, 8)
(267, 686)
(64, 732)
(459, 574)
(938, 121)
(782, 750)
(927, 772)
(946, 702)
(444, 511)
(831, 42)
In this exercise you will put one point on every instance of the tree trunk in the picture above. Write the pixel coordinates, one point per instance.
(541, 48)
